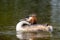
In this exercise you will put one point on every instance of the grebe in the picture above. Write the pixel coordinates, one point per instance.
(20, 28)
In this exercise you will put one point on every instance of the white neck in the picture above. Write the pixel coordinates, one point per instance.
(19, 25)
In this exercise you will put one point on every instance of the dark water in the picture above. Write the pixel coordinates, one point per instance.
(9, 33)
(11, 11)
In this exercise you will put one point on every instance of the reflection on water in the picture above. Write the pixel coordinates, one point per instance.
(33, 35)
(9, 34)
(55, 12)
(55, 18)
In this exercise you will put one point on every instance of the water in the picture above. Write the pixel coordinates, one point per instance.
(55, 18)
(7, 8)
(9, 33)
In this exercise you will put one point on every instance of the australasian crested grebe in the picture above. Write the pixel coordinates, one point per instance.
(20, 27)
(21, 24)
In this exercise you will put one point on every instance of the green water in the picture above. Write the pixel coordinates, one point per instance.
(9, 33)
(11, 11)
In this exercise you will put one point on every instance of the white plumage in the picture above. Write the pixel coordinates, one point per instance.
(29, 28)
